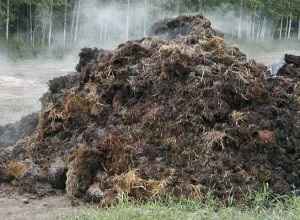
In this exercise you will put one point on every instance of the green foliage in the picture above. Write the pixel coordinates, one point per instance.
(16, 48)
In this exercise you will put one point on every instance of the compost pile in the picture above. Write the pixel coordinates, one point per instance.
(177, 113)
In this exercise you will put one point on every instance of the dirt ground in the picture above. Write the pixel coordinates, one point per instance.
(29, 207)
(45, 208)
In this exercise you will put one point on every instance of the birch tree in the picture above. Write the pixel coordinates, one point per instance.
(30, 2)
(177, 6)
(297, 16)
(77, 21)
(299, 27)
(50, 24)
(240, 20)
(7, 19)
(281, 27)
(127, 20)
(145, 18)
(65, 22)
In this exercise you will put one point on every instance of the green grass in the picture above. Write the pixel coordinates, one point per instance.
(258, 205)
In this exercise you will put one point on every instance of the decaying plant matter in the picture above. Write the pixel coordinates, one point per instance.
(176, 115)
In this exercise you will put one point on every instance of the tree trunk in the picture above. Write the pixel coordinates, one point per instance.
(286, 27)
(240, 22)
(50, 25)
(299, 28)
(77, 21)
(73, 18)
(44, 32)
(281, 27)
(249, 28)
(17, 24)
(258, 30)
(7, 19)
(127, 20)
(263, 29)
(27, 33)
(274, 29)
(290, 25)
(253, 29)
(145, 18)
(30, 23)
(135, 25)
(177, 7)
(240, 27)
(101, 32)
(65, 23)
(106, 29)
(33, 35)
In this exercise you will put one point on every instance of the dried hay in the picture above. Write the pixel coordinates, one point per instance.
(133, 185)
(18, 169)
(49, 123)
(238, 117)
(167, 50)
(118, 153)
(215, 139)
(30, 176)
(76, 103)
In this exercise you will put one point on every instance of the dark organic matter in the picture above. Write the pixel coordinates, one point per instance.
(169, 116)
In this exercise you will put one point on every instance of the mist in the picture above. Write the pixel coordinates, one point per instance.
(107, 26)
(104, 26)
(22, 84)
(257, 38)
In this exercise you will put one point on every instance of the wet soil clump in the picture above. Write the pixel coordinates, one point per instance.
(177, 115)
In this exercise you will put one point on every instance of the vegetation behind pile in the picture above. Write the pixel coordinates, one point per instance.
(164, 116)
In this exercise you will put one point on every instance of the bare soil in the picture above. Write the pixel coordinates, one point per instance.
(15, 207)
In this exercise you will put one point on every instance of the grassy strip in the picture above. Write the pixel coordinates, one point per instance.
(258, 205)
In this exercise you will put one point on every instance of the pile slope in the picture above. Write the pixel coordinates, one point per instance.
(177, 113)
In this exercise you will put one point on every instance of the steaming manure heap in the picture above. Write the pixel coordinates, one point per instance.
(177, 113)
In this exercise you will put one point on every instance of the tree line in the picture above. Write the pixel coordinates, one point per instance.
(50, 24)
